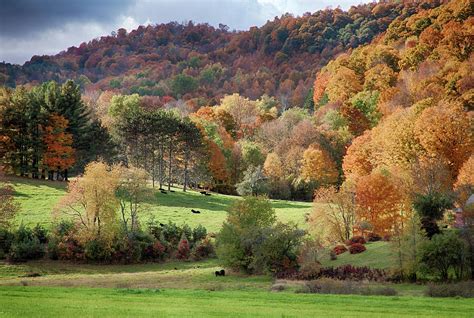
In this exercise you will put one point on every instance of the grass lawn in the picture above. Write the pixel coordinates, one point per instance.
(378, 255)
(37, 199)
(67, 302)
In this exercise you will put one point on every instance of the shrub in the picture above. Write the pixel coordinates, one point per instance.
(444, 254)
(25, 246)
(199, 233)
(356, 239)
(309, 265)
(98, 250)
(356, 248)
(203, 249)
(183, 249)
(26, 250)
(462, 289)
(331, 286)
(373, 237)
(40, 233)
(339, 249)
(6, 240)
(354, 273)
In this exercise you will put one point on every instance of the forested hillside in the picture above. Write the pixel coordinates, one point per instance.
(201, 63)
(404, 98)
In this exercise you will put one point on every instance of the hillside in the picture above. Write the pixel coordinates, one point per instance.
(38, 198)
(203, 63)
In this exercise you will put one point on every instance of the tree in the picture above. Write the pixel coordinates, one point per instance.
(253, 183)
(431, 208)
(273, 166)
(91, 200)
(445, 132)
(8, 206)
(382, 201)
(318, 166)
(250, 241)
(131, 193)
(443, 254)
(58, 154)
(464, 184)
(334, 213)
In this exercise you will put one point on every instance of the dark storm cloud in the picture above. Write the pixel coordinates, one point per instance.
(24, 17)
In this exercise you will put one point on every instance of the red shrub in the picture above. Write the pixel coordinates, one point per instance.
(373, 237)
(356, 239)
(356, 248)
(183, 250)
(339, 249)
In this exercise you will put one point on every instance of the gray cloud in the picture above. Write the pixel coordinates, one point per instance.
(38, 27)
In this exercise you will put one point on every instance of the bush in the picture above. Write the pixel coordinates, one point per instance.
(347, 287)
(25, 246)
(356, 248)
(40, 233)
(203, 249)
(309, 265)
(199, 233)
(444, 254)
(98, 250)
(374, 237)
(462, 289)
(6, 240)
(183, 249)
(339, 249)
(354, 273)
(356, 239)
(26, 250)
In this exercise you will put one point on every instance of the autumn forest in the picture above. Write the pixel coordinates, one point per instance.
(366, 112)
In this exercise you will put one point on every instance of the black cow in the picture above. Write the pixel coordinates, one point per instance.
(220, 273)
(195, 211)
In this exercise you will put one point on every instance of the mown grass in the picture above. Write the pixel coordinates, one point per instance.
(38, 198)
(86, 302)
(378, 255)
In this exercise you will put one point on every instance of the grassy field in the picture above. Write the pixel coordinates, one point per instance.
(37, 199)
(377, 255)
(81, 302)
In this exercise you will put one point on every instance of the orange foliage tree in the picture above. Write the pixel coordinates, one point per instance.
(381, 201)
(59, 153)
(318, 166)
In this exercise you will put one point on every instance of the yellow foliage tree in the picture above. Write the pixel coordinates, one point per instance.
(318, 166)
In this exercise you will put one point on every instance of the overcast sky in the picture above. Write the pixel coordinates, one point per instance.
(38, 27)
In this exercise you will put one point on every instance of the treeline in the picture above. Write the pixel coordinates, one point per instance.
(47, 130)
(201, 63)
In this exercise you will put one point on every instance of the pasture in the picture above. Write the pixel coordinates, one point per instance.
(38, 198)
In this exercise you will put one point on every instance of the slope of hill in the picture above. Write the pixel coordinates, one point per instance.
(204, 63)
(38, 198)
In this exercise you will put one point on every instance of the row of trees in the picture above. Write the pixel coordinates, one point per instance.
(48, 130)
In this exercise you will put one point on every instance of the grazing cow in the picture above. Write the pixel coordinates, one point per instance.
(220, 273)
(203, 192)
(207, 194)
(172, 191)
(164, 192)
(195, 211)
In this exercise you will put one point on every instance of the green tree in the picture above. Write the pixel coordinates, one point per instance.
(254, 182)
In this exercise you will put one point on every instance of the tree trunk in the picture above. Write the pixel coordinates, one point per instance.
(161, 166)
(186, 158)
(170, 152)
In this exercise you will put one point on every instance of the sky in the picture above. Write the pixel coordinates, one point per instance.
(46, 27)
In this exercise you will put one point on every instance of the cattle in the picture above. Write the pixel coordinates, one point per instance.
(220, 273)
(195, 211)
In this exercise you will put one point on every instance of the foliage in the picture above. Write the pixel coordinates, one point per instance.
(332, 286)
(253, 183)
(356, 239)
(356, 248)
(251, 241)
(431, 208)
(337, 215)
(339, 249)
(461, 289)
(444, 256)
